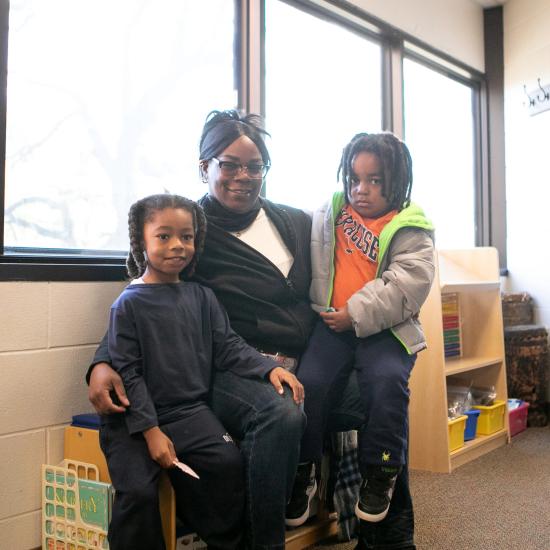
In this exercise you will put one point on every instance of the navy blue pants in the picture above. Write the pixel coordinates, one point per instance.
(396, 530)
(382, 368)
(212, 505)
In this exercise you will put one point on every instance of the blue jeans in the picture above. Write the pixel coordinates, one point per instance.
(269, 427)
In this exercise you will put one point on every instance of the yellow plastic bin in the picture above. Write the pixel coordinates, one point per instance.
(491, 418)
(456, 432)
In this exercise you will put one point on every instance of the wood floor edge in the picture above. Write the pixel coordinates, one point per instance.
(313, 532)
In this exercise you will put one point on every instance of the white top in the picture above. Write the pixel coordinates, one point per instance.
(262, 235)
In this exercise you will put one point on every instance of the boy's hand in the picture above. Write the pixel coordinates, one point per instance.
(161, 448)
(103, 380)
(279, 376)
(339, 320)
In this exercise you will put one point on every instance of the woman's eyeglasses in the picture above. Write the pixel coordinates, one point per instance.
(253, 169)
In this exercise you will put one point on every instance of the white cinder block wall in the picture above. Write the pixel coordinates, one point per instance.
(48, 336)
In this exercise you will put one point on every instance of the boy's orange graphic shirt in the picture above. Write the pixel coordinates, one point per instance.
(356, 252)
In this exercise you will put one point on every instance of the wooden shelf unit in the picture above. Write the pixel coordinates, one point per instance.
(474, 275)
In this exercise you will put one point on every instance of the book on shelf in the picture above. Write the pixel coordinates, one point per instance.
(452, 336)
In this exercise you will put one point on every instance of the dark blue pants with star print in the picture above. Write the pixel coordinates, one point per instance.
(383, 368)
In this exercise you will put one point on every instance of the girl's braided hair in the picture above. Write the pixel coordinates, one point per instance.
(396, 164)
(142, 211)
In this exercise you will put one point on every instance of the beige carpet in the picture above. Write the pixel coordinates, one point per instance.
(500, 501)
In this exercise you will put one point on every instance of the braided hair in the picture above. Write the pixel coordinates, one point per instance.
(222, 128)
(142, 211)
(396, 163)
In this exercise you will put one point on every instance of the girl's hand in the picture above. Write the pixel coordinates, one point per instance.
(103, 380)
(161, 448)
(339, 320)
(279, 376)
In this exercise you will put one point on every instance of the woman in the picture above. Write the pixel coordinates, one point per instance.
(256, 260)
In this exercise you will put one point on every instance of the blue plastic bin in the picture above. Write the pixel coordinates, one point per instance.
(471, 424)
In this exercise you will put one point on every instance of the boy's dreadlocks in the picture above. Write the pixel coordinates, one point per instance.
(396, 164)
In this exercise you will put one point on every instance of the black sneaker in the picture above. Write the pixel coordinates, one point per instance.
(375, 493)
(305, 485)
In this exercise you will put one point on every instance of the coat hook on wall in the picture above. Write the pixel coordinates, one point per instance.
(538, 100)
(531, 100)
(545, 94)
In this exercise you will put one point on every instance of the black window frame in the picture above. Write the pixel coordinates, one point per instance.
(34, 265)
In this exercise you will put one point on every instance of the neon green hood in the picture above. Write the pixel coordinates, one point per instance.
(411, 216)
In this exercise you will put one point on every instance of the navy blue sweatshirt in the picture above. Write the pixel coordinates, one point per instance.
(164, 341)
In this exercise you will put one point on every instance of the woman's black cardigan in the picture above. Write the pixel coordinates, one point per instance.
(270, 311)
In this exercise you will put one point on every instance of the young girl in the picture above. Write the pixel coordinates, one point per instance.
(373, 266)
(165, 338)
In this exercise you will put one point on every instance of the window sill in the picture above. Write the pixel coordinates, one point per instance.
(35, 268)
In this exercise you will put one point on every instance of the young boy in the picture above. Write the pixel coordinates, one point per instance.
(373, 266)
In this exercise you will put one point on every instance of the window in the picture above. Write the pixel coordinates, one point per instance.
(312, 114)
(106, 101)
(439, 131)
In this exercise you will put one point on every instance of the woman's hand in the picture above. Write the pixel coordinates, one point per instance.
(279, 376)
(161, 448)
(339, 320)
(103, 380)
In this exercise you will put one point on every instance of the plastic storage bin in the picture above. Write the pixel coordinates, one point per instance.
(518, 418)
(491, 418)
(456, 432)
(471, 424)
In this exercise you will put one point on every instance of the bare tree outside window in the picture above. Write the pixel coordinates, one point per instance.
(105, 104)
